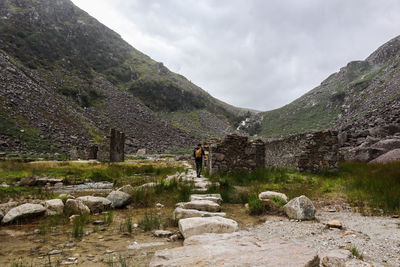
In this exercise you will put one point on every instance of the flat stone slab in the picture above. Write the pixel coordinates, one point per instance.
(136, 246)
(180, 213)
(203, 205)
(236, 249)
(212, 197)
(201, 225)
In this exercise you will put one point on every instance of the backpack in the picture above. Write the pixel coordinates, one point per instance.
(198, 153)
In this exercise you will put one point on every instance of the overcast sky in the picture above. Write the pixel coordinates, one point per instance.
(259, 54)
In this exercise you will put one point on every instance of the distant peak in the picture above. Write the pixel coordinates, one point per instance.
(385, 52)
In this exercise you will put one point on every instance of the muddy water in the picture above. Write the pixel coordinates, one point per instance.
(105, 246)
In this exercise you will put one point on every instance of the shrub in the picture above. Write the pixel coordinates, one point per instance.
(256, 206)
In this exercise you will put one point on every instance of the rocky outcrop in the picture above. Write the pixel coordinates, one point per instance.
(236, 249)
(23, 211)
(393, 155)
(201, 225)
(119, 199)
(300, 208)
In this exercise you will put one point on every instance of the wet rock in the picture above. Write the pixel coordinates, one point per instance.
(211, 197)
(95, 204)
(54, 207)
(202, 205)
(236, 249)
(119, 199)
(200, 225)
(180, 213)
(23, 211)
(272, 195)
(75, 206)
(334, 224)
(336, 258)
(162, 233)
(126, 189)
(300, 208)
(98, 222)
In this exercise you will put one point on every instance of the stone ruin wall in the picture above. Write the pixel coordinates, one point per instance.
(303, 152)
(235, 152)
(111, 150)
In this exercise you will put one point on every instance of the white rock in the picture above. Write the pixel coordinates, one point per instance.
(95, 204)
(300, 208)
(236, 249)
(54, 206)
(271, 195)
(162, 233)
(141, 152)
(204, 205)
(180, 213)
(74, 206)
(119, 199)
(212, 197)
(136, 246)
(200, 225)
(23, 211)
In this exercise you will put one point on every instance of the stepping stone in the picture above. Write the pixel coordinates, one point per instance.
(96, 204)
(180, 213)
(212, 197)
(201, 225)
(236, 249)
(203, 205)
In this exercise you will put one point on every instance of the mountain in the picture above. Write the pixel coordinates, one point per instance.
(66, 79)
(362, 95)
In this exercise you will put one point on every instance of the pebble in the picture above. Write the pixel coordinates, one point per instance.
(335, 224)
(55, 251)
(70, 245)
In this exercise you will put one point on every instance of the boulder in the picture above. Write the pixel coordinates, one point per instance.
(75, 206)
(272, 195)
(95, 204)
(119, 199)
(211, 197)
(300, 208)
(54, 207)
(28, 181)
(203, 205)
(393, 155)
(200, 225)
(180, 213)
(23, 211)
(236, 249)
(126, 189)
(336, 258)
(387, 144)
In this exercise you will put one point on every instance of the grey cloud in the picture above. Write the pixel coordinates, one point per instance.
(259, 54)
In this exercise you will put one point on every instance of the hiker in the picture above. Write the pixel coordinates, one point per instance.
(198, 153)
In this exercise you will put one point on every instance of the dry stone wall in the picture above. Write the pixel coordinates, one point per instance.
(303, 152)
(235, 152)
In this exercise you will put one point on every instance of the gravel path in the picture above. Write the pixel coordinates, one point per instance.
(376, 238)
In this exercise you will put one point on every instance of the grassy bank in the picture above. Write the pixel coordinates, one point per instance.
(370, 187)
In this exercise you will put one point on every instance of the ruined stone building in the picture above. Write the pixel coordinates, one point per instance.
(303, 152)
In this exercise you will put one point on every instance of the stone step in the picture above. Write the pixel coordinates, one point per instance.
(212, 197)
(201, 225)
(202, 205)
(180, 213)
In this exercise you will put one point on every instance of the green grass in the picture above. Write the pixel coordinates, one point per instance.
(78, 225)
(256, 206)
(356, 253)
(150, 221)
(374, 186)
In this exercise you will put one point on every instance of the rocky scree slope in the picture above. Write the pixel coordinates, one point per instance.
(362, 95)
(91, 71)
